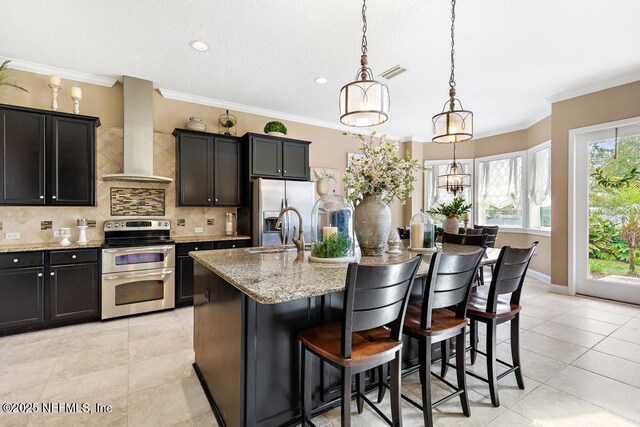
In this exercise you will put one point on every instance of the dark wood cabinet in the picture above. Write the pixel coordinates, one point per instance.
(184, 265)
(209, 169)
(73, 288)
(73, 161)
(275, 157)
(21, 298)
(46, 158)
(43, 289)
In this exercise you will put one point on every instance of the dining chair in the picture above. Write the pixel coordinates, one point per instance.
(499, 305)
(369, 335)
(464, 239)
(440, 316)
(473, 231)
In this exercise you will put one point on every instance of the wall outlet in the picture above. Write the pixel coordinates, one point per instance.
(181, 222)
(199, 229)
(91, 223)
(211, 221)
(46, 225)
(12, 236)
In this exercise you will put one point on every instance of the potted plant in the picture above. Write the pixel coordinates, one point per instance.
(275, 128)
(451, 213)
(377, 178)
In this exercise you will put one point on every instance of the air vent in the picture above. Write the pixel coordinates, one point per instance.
(393, 72)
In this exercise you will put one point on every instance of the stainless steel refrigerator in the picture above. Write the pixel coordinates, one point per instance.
(270, 196)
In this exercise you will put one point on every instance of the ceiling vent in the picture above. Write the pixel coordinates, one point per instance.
(393, 72)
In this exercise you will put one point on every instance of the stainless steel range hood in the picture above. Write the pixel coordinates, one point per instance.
(138, 133)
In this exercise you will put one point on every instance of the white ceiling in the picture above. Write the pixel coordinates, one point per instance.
(510, 55)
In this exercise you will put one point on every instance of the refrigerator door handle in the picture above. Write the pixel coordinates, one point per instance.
(287, 217)
(283, 224)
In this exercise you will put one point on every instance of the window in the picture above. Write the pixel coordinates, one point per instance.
(433, 195)
(539, 186)
(499, 195)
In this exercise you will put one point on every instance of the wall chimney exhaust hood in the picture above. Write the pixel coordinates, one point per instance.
(138, 133)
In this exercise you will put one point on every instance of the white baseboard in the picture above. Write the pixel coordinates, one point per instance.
(558, 289)
(540, 276)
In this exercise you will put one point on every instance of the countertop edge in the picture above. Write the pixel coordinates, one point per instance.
(50, 246)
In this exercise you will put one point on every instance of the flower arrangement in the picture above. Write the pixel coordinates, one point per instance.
(454, 209)
(380, 171)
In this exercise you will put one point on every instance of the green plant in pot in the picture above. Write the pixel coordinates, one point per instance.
(451, 212)
(275, 128)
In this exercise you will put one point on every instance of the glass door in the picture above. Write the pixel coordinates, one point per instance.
(604, 256)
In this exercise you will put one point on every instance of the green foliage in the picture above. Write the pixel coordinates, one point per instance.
(334, 246)
(614, 181)
(275, 126)
(427, 243)
(4, 76)
(597, 267)
(228, 124)
(456, 208)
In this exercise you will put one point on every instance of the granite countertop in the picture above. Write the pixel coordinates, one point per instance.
(207, 238)
(271, 278)
(48, 246)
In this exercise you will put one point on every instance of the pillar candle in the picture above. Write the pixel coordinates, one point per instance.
(76, 92)
(417, 235)
(328, 232)
(54, 80)
(465, 216)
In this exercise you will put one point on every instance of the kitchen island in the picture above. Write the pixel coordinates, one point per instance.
(249, 306)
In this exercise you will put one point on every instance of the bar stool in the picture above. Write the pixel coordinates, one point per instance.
(465, 239)
(492, 235)
(439, 317)
(492, 309)
(375, 296)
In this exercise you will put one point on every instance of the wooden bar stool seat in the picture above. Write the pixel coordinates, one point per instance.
(443, 322)
(367, 347)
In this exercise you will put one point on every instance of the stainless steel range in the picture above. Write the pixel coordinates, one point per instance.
(138, 260)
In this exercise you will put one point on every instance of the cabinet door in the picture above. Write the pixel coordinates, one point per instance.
(73, 292)
(21, 297)
(184, 281)
(266, 157)
(295, 160)
(72, 162)
(227, 172)
(195, 175)
(22, 152)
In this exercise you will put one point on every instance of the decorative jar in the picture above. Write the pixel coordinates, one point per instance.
(332, 229)
(422, 235)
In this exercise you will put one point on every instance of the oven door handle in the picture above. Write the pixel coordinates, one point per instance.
(136, 275)
(145, 249)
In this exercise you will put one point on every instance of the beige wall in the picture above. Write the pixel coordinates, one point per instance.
(617, 103)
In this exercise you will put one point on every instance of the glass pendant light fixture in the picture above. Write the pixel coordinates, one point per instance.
(454, 124)
(455, 180)
(365, 101)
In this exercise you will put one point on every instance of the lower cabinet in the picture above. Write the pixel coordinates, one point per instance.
(184, 265)
(42, 289)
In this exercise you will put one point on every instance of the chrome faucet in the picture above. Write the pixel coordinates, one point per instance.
(299, 242)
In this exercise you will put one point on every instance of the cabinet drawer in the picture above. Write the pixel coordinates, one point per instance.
(21, 259)
(230, 244)
(183, 249)
(74, 256)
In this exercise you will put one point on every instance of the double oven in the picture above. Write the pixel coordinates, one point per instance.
(138, 267)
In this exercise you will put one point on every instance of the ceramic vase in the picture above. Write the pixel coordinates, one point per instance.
(451, 225)
(372, 223)
(322, 186)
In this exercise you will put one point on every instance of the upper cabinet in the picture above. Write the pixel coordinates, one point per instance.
(46, 158)
(208, 169)
(276, 157)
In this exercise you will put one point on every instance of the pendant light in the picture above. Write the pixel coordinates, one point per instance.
(365, 101)
(454, 124)
(455, 180)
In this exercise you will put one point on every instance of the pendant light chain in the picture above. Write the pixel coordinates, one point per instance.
(452, 82)
(364, 27)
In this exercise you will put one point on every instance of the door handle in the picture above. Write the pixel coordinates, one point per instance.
(145, 249)
(135, 275)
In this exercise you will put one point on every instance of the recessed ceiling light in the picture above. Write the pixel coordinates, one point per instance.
(198, 45)
(321, 80)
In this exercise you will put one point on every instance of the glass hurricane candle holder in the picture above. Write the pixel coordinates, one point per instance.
(422, 235)
(332, 225)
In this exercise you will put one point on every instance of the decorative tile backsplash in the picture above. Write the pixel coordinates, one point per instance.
(26, 219)
(137, 201)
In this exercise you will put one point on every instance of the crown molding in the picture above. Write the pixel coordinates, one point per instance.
(218, 103)
(585, 90)
(64, 73)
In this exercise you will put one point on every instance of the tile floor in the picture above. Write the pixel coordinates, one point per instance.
(580, 356)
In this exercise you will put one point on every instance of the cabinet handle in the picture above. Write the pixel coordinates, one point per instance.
(39, 274)
(52, 273)
(41, 197)
(233, 246)
(216, 200)
(74, 256)
(278, 170)
(53, 197)
(15, 260)
(208, 200)
(285, 171)
(196, 248)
